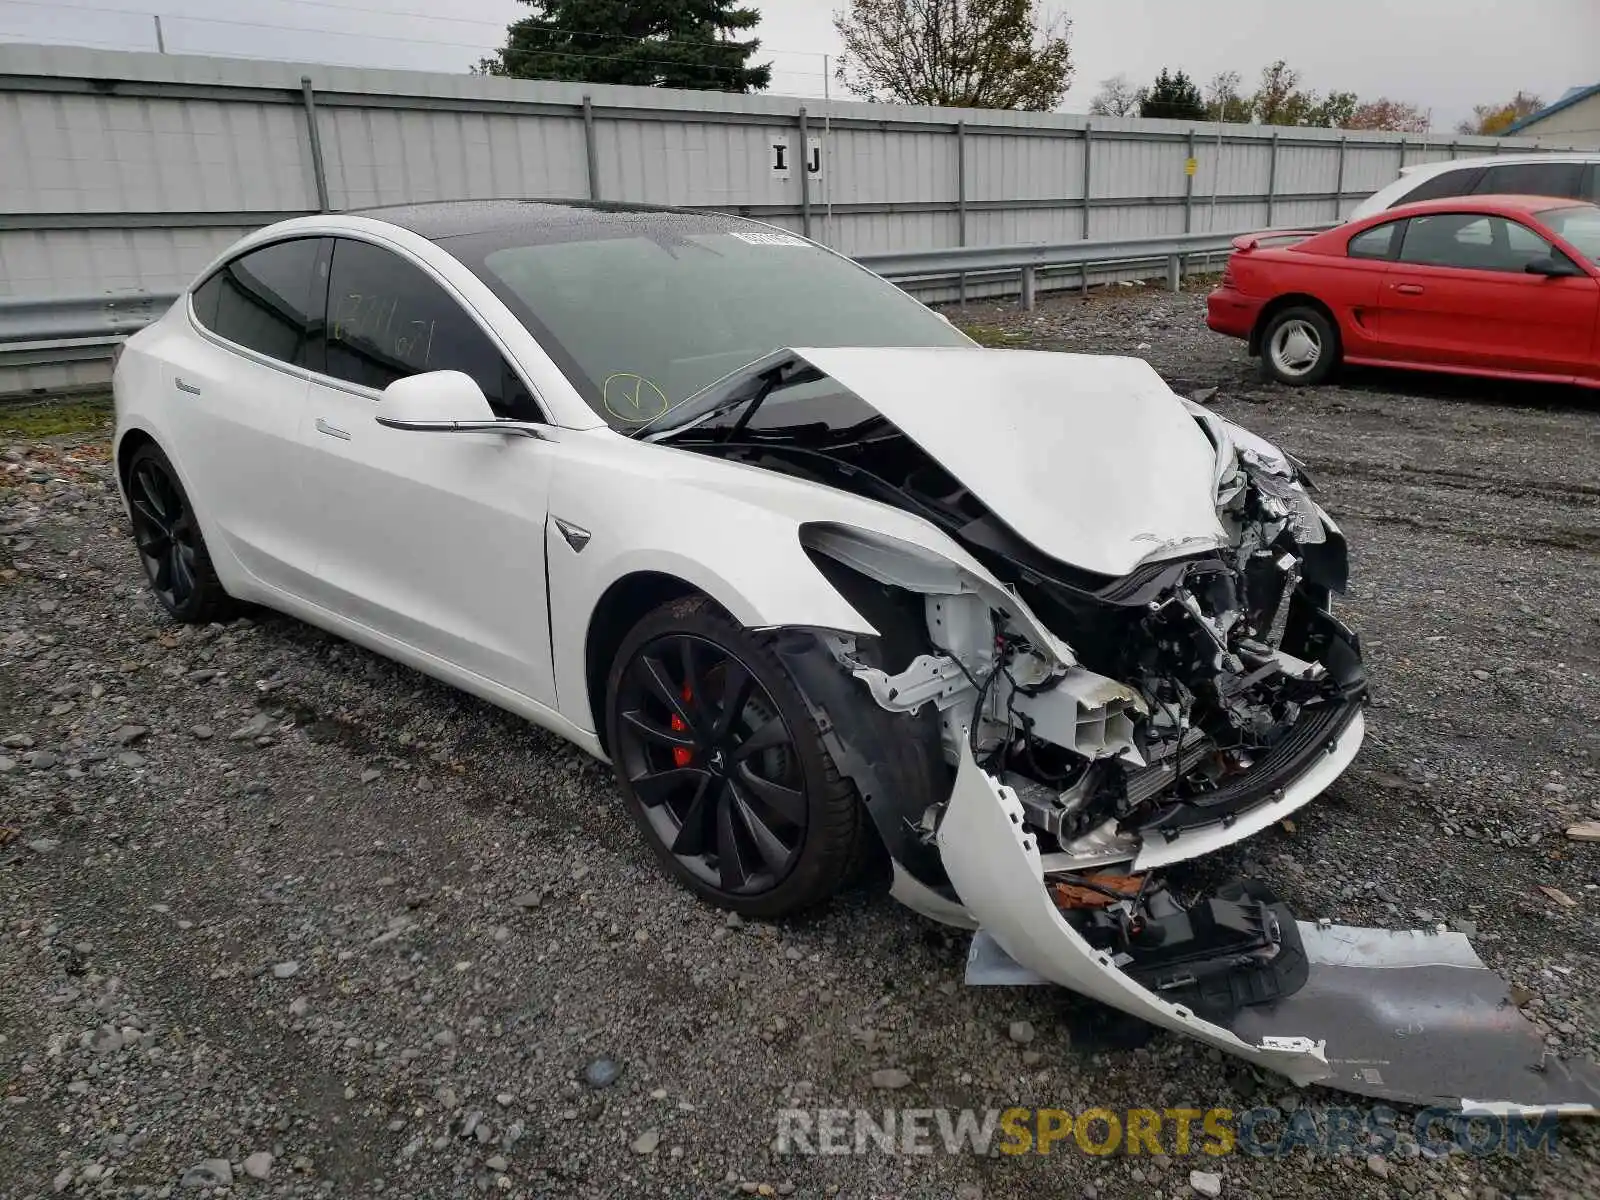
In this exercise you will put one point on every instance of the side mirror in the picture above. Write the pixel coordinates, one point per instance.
(1552, 266)
(443, 402)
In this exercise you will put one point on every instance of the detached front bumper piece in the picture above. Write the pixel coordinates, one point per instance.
(993, 862)
(1408, 1016)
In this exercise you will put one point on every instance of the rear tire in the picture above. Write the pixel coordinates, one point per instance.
(722, 766)
(1299, 347)
(171, 547)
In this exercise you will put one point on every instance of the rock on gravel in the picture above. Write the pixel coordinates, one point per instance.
(258, 1165)
(647, 1142)
(209, 1173)
(890, 1078)
(257, 726)
(1021, 1032)
(1206, 1183)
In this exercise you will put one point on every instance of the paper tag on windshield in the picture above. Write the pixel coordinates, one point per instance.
(763, 238)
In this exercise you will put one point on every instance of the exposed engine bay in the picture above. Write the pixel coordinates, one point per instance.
(1172, 697)
(1059, 712)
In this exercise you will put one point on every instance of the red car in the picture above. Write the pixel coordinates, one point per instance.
(1506, 286)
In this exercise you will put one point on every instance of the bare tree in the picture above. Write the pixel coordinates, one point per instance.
(961, 53)
(1223, 101)
(1117, 97)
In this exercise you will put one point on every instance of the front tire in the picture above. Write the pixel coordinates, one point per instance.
(171, 548)
(1299, 347)
(722, 766)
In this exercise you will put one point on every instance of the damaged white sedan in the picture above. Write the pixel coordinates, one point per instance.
(826, 581)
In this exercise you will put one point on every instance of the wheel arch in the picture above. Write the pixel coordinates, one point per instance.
(1289, 300)
(620, 607)
(129, 445)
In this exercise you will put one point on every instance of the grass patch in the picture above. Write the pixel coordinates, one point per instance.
(53, 418)
(990, 335)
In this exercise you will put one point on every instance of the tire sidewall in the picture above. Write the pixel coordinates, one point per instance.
(151, 453)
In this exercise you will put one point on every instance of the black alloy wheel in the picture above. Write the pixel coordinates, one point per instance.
(713, 763)
(723, 767)
(167, 534)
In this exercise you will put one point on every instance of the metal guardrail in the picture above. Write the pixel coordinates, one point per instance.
(1026, 261)
(38, 331)
(41, 318)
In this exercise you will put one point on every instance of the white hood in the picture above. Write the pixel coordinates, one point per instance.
(1090, 458)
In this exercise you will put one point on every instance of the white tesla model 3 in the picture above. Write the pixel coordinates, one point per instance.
(824, 580)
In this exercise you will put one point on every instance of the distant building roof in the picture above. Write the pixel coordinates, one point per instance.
(1568, 98)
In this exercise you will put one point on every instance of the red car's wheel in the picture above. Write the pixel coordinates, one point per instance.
(1300, 346)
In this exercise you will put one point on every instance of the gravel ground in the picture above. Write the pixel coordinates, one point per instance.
(279, 916)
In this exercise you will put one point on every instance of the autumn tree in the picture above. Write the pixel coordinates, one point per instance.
(1117, 97)
(1492, 120)
(1278, 99)
(1173, 96)
(657, 43)
(959, 53)
(1393, 115)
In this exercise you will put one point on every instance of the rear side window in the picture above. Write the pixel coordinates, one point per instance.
(267, 300)
(1381, 241)
(1533, 179)
(387, 319)
(1446, 183)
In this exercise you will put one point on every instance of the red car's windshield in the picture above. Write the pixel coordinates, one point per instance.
(1579, 224)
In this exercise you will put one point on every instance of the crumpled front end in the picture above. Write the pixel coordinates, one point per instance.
(1141, 720)
(1098, 730)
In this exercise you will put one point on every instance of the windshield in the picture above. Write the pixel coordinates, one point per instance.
(1579, 224)
(641, 315)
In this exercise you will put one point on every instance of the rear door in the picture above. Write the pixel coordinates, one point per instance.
(1460, 296)
(242, 389)
(435, 540)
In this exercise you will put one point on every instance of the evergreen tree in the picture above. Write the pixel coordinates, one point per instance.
(1173, 96)
(650, 43)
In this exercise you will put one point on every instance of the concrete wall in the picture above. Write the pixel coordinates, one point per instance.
(131, 171)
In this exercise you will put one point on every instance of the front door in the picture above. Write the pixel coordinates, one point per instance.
(433, 539)
(1460, 296)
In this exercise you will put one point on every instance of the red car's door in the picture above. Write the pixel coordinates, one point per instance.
(1460, 295)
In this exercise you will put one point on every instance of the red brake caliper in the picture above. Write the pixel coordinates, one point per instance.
(682, 756)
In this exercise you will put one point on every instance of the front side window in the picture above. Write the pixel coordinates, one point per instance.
(1377, 242)
(387, 319)
(1471, 241)
(267, 300)
(641, 314)
(1532, 179)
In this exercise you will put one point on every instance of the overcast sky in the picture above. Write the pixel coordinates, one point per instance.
(1444, 55)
